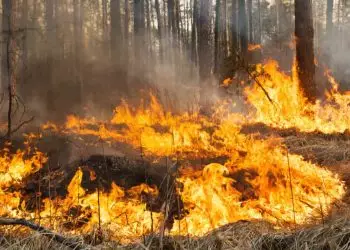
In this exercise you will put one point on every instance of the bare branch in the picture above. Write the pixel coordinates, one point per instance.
(70, 242)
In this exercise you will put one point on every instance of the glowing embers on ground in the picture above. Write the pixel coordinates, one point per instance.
(291, 109)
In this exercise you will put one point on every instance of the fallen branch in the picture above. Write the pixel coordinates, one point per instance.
(69, 242)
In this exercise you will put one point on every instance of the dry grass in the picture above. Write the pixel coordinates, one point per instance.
(241, 235)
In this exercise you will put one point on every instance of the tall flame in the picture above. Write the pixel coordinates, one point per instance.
(291, 109)
(255, 179)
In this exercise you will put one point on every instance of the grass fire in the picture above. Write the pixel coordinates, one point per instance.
(174, 124)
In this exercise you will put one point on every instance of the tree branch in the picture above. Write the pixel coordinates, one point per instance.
(70, 242)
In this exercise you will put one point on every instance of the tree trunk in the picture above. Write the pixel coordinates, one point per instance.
(126, 35)
(149, 29)
(329, 24)
(6, 63)
(24, 24)
(224, 29)
(304, 33)
(194, 54)
(217, 36)
(106, 48)
(250, 21)
(159, 29)
(204, 48)
(258, 38)
(116, 32)
(49, 54)
(139, 30)
(78, 48)
(243, 28)
(234, 35)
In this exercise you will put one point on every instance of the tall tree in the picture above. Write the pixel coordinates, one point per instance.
(126, 33)
(234, 34)
(250, 20)
(7, 80)
(194, 30)
(116, 31)
(78, 47)
(159, 28)
(50, 32)
(217, 35)
(329, 23)
(243, 28)
(304, 33)
(24, 24)
(139, 30)
(204, 47)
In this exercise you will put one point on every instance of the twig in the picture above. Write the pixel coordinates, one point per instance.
(72, 243)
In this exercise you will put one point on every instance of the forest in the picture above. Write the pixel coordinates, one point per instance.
(175, 124)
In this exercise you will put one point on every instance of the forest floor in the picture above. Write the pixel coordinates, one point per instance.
(331, 151)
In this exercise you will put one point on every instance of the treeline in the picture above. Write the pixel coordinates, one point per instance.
(73, 47)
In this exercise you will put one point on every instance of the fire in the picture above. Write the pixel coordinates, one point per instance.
(121, 213)
(14, 168)
(291, 109)
(255, 179)
(254, 47)
(259, 179)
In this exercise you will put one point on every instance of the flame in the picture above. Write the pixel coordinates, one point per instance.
(255, 179)
(254, 47)
(291, 109)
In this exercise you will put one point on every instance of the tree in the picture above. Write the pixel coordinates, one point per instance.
(116, 31)
(243, 28)
(329, 23)
(234, 35)
(304, 33)
(217, 36)
(7, 80)
(204, 48)
(78, 47)
(159, 28)
(50, 31)
(139, 30)
(250, 21)
(194, 30)
(203, 41)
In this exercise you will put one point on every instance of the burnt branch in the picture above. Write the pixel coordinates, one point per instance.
(69, 242)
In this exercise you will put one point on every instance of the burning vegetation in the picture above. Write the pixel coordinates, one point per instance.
(246, 178)
(242, 147)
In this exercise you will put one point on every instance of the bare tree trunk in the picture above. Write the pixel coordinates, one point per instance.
(329, 24)
(126, 35)
(6, 69)
(234, 35)
(50, 31)
(194, 30)
(258, 38)
(243, 28)
(204, 48)
(24, 24)
(149, 29)
(78, 47)
(250, 21)
(304, 33)
(116, 32)
(224, 28)
(217, 36)
(106, 48)
(159, 26)
(139, 30)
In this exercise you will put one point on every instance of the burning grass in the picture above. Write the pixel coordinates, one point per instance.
(257, 178)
